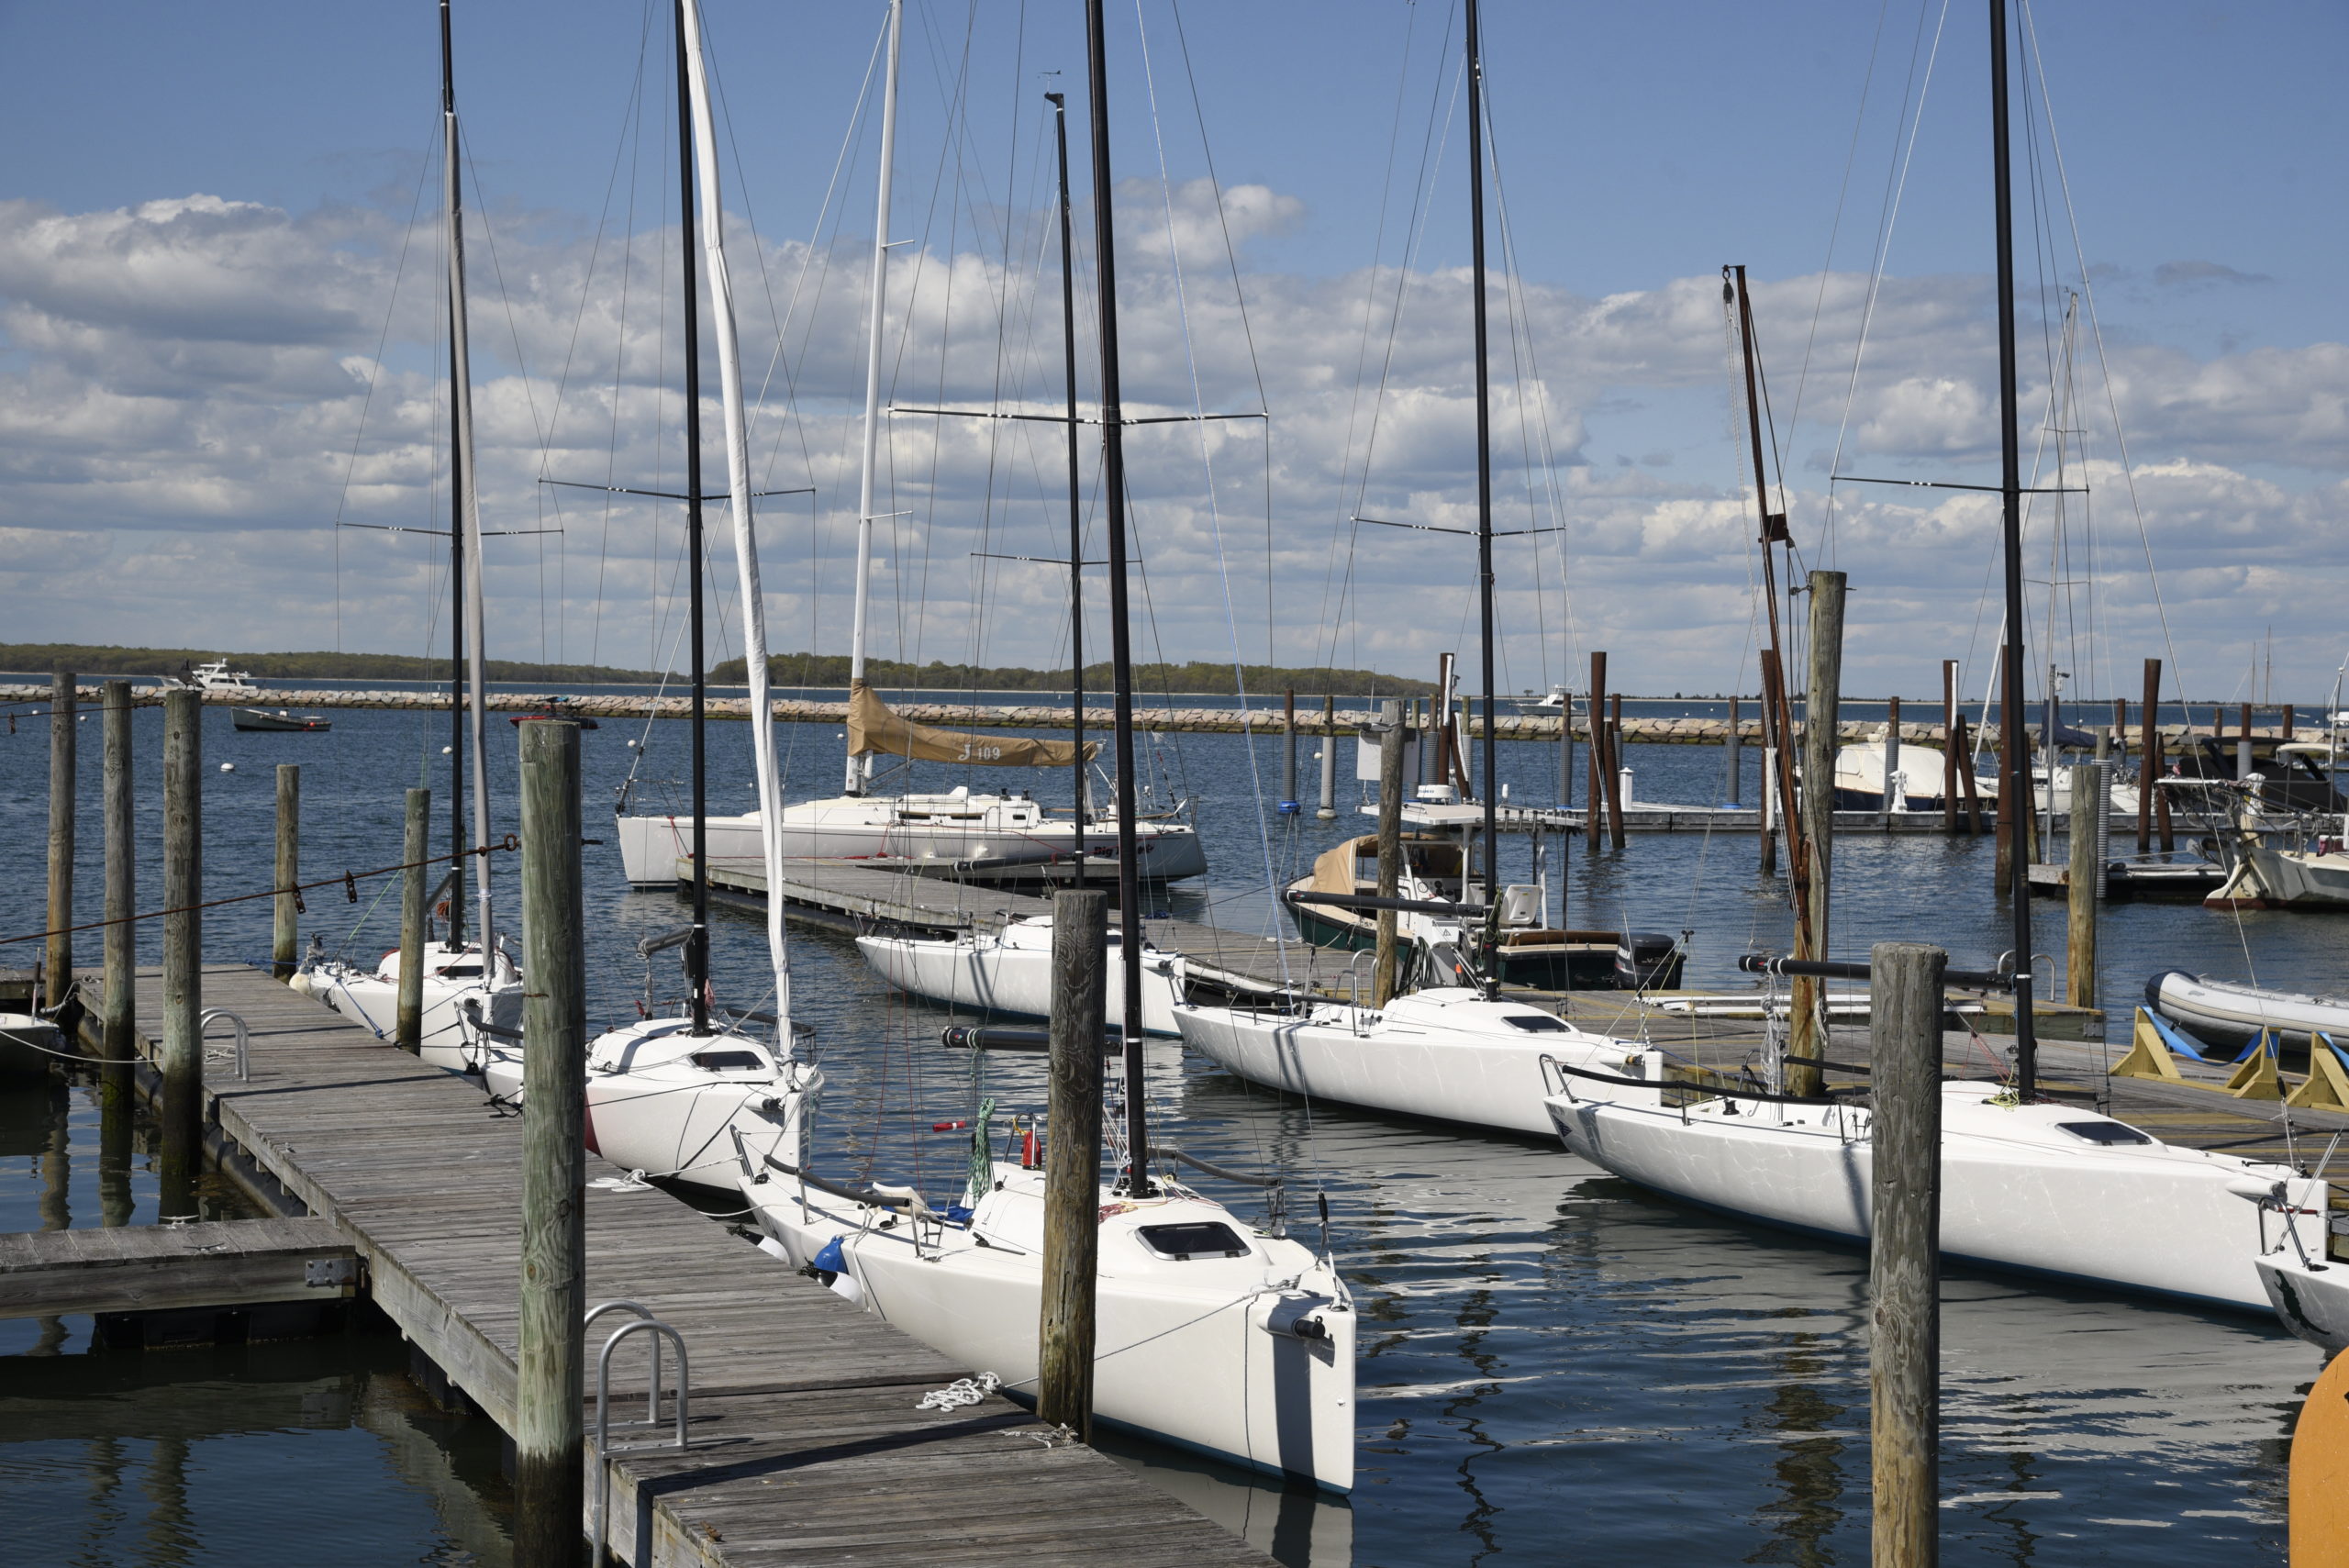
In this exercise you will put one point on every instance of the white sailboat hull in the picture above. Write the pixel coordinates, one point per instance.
(1424, 1056)
(448, 1039)
(908, 827)
(2311, 1299)
(1203, 1353)
(1011, 973)
(2017, 1192)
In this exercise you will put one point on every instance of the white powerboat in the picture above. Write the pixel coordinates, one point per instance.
(1209, 1333)
(1449, 1054)
(950, 828)
(2047, 1189)
(1011, 970)
(214, 679)
(465, 1011)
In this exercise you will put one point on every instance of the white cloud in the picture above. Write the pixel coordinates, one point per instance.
(183, 385)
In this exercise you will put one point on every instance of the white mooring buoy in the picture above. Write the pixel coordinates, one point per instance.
(228, 767)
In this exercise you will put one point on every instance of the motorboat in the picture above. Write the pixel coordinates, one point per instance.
(1527, 950)
(1009, 971)
(1209, 1332)
(2054, 1190)
(280, 722)
(1860, 767)
(465, 1009)
(214, 679)
(2231, 1012)
(1451, 1053)
(1013, 833)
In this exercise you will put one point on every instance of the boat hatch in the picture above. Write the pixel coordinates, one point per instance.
(730, 1062)
(460, 971)
(2103, 1132)
(1536, 1023)
(1201, 1239)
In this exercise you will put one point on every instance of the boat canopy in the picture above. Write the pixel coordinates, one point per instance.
(874, 729)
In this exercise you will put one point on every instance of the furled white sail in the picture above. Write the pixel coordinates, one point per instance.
(738, 486)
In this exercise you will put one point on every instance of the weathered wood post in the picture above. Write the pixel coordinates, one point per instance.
(183, 1058)
(1966, 785)
(1390, 847)
(1896, 789)
(1774, 800)
(548, 1440)
(1073, 1162)
(1615, 772)
(285, 934)
(1732, 762)
(1822, 703)
(64, 718)
(1288, 754)
(2148, 747)
(2244, 769)
(407, 1031)
(1565, 749)
(1597, 791)
(1327, 810)
(116, 1047)
(1951, 740)
(2081, 890)
(1904, 1252)
(2002, 872)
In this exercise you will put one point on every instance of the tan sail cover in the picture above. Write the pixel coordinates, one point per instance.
(876, 730)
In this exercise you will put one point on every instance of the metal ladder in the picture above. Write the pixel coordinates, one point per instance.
(644, 1322)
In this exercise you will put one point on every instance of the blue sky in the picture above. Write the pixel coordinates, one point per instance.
(1641, 148)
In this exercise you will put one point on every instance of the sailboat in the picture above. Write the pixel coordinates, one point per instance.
(2029, 1185)
(1456, 1052)
(472, 989)
(676, 1095)
(1000, 837)
(1209, 1332)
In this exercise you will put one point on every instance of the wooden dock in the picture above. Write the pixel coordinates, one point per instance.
(807, 1445)
(159, 1268)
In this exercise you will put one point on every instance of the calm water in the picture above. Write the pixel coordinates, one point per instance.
(1554, 1367)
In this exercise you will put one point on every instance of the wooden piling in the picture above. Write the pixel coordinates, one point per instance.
(1289, 753)
(1774, 745)
(2244, 768)
(1952, 739)
(64, 718)
(2002, 872)
(183, 1055)
(285, 934)
(548, 1439)
(2079, 947)
(2149, 747)
(1733, 763)
(1595, 803)
(1327, 810)
(1615, 774)
(1565, 749)
(415, 924)
(1390, 847)
(1821, 705)
(1904, 1252)
(118, 1043)
(1073, 1163)
(1965, 785)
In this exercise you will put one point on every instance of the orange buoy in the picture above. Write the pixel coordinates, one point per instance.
(2320, 1485)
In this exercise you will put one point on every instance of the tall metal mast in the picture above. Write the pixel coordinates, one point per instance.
(696, 945)
(1113, 492)
(1076, 509)
(1489, 785)
(2014, 769)
(460, 483)
(466, 544)
(854, 781)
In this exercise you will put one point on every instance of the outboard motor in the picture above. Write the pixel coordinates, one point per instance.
(1646, 961)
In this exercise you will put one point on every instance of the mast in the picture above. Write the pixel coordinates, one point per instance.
(460, 485)
(1113, 491)
(854, 783)
(2014, 767)
(1777, 719)
(696, 945)
(465, 546)
(738, 512)
(1076, 514)
(1490, 784)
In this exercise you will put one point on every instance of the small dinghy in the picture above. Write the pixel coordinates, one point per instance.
(2226, 1012)
(280, 722)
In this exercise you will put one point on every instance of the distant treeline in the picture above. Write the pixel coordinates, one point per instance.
(1196, 677)
(40, 658)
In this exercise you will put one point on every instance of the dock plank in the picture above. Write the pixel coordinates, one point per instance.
(807, 1446)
